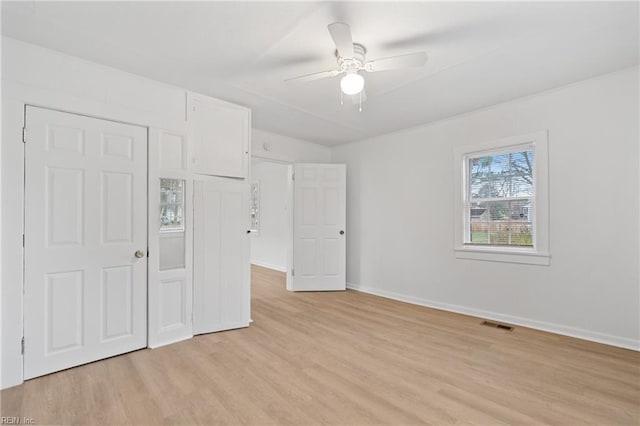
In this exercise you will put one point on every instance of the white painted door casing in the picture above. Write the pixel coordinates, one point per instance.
(319, 227)
(221, 268)
(85, 217)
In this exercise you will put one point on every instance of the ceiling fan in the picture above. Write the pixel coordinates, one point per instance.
(351, 58)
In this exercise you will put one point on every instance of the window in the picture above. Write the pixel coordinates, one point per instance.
(499, 199)
(171, 205)
(255, 207)
(502, 202)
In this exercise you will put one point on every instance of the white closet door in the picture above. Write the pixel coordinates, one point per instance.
(85, 219)
(221, 269)
(220, 134)
(319, 218)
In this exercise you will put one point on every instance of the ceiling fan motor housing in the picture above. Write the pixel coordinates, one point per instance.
(354, 64)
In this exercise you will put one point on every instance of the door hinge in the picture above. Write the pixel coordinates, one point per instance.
(24, 135)
(293, 272)
(22, 346)
(293, 176)
(22, 240)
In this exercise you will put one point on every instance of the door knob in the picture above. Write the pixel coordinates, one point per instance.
(341, 232)
(139, 254)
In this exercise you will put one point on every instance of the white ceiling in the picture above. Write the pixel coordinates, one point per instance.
(479, 53)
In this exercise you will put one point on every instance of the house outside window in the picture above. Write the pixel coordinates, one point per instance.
(501, 205)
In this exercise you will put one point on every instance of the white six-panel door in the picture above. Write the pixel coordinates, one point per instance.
(85, 219)
(319, 218)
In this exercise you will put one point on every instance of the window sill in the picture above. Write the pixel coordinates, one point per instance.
(508, 255)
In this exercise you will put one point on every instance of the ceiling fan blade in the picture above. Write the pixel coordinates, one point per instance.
(355, 99)
(395, 62)
(315, 76)
(341, 34)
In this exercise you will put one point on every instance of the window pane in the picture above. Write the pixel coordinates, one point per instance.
(255, 206)
(503, 223)
(171, 204)
(501, 175)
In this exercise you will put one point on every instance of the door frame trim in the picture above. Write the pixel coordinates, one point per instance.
(292, 189)
(97, 117)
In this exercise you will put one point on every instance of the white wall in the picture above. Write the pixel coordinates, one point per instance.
(400, 214)
(269, 245)
(42, 77)
(286, 149)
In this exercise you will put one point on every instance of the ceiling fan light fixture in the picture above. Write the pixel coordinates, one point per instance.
(352, 84)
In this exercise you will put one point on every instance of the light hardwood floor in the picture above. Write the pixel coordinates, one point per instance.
(345, 358)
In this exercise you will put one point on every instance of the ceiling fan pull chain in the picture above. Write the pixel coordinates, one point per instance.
(341, 98)
(360, 108)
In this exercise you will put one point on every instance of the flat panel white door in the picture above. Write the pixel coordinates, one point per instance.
(220, 134)
(85, 217)
(221, 268)
(319, 218)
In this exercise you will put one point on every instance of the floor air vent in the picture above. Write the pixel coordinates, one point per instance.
(496, 325)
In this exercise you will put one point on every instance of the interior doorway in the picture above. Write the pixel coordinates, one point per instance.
(298, 214)
(270, 210)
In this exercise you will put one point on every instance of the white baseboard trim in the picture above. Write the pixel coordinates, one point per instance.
(270, 266)
(594, 336)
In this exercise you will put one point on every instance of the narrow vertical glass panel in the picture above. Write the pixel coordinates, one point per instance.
(172, 205)
(172, 250)
(172, 242)
(255, 206)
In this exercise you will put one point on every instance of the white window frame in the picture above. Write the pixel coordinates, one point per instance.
(539, 253)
